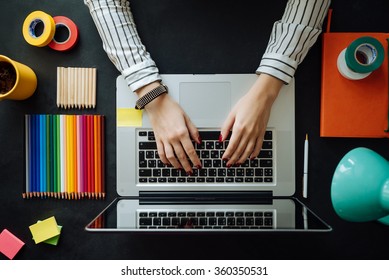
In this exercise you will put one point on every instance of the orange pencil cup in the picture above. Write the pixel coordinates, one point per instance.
(17, 81)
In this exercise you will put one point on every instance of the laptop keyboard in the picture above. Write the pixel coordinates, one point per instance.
(209, 219)
(214, 170)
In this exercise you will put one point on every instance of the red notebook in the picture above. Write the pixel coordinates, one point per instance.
(352, 108)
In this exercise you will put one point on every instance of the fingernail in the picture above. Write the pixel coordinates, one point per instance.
(198, 166)
(199, 140)
(189, 173)
(220, 138)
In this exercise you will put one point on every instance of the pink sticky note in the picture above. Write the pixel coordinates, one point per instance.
(9, 244)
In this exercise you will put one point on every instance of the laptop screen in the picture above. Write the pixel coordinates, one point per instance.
(268, 215)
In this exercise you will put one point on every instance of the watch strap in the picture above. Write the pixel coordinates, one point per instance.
(150, 96)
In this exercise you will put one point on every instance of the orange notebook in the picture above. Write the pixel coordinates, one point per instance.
(352, 108)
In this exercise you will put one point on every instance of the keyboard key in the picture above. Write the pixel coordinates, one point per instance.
(266, 163)
(268, 172)
(203, 221)
(267, 145)
(150, 154)
(144, 172)
(268, 214)
(147, 145)
(231, 221)
(145, 221)
(210, 135)
(259, 221)
(265, 154)
(249, 221)
(221, 221)
(209, 145)
(268, 135)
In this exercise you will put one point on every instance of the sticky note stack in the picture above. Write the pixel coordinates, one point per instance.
(46, 231)
(10, 245)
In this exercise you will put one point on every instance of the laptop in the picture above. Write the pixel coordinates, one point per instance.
(256, 196)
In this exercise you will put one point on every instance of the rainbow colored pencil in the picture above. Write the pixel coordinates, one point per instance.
(64, 156)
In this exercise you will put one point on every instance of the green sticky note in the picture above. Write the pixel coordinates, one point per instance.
(44, 230)
(129, 117)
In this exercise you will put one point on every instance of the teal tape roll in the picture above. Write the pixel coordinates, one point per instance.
(364, 55)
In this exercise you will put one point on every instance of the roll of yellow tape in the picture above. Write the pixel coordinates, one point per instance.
(38, 29)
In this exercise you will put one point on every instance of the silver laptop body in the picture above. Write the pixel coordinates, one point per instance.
(248, 198)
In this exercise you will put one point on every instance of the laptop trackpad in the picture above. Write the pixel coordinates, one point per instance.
(207, 103)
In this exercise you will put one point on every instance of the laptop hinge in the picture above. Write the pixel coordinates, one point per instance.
(211, 197)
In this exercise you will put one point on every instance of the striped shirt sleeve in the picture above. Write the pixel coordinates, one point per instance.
(290, 40)
(121, 42)
(292, 37)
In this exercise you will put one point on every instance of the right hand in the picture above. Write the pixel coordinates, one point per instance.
(173, 132)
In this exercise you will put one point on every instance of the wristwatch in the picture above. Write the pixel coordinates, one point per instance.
(150, 96)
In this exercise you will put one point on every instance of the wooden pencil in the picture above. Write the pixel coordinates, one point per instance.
(93, 91)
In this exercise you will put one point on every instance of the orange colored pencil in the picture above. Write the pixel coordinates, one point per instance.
(75, 157)
(102, 157)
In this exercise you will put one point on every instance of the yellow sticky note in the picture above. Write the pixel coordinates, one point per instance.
(54, 240)
(129, 117)
(44, 230)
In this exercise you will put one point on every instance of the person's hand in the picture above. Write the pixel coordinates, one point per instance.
(248, 120)
(173, 132)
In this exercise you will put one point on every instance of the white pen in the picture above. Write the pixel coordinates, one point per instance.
(305, 176)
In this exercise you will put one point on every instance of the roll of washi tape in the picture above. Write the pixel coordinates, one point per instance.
(38, 29)
(66, 34)
(345, 71)
(363, 56)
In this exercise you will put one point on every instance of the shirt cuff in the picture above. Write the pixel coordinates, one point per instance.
(141, 74)
(279, 66)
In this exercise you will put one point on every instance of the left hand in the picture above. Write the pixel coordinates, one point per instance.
(248, 120)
